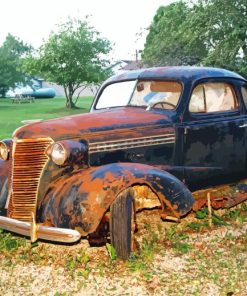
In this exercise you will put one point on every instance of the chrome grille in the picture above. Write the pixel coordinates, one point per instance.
(132, 143)
(28, 161)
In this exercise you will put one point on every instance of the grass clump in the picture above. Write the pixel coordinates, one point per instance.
(10, 244)
(78, 263)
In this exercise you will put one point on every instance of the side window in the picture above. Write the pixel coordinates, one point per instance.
(197, 101)
(212, 97)
(244, 94)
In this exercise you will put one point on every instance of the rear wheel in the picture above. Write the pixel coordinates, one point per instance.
(122, 223)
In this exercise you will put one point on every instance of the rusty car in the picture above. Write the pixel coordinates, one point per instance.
(152, 137)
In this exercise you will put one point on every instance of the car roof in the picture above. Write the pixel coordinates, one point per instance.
(182, 73)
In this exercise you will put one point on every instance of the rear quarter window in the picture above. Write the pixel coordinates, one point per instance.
(244, 95)
(213, 97)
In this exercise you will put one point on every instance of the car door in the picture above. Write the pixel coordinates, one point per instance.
(214, 135)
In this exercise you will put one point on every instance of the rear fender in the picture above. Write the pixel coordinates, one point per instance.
(81, 200)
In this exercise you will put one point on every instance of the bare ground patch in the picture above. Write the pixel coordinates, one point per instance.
(188, 258)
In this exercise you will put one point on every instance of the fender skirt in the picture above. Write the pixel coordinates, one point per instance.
(79, 201)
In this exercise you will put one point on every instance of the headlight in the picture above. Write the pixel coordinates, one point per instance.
(58, 154)
(68, 152)
(4, 151)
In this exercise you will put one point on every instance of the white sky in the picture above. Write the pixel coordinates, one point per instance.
(117, 20)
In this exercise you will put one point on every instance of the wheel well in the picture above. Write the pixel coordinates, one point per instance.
(145, 197)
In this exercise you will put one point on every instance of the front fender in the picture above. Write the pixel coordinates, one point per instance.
(81, 200)
(3, 183)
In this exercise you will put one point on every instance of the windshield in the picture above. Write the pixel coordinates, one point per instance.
(151, 94)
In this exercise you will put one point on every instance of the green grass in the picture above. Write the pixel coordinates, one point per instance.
(11, 115)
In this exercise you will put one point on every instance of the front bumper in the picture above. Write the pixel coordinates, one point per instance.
(39, 231)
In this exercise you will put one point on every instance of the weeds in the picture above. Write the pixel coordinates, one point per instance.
(60, 294)
(197, 226)
(182, 247)
(217, 220)
(202, 214)
(177, 240)
(111, 251)
(238, 215)
(9, 244)
(78, 264)
(141, 261)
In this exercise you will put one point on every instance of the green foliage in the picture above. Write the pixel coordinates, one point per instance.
(238, 214)
(177, 240)
(217, 220)
(195, 225)
(222, 27)
(148, 248)
(111, 251)
(166, 43)
(8, 243)
(201, 214)
(74, 57)
(142, 259)
(205, 32)
(12, 53)
(244, 207)
(60, 294)
(78, 263)
(182, 247)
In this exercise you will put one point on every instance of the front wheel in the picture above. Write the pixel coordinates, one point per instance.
(122, 223)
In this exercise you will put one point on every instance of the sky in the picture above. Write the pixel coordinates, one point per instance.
(119, 21)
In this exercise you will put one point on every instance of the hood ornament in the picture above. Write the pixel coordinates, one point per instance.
(29, 121)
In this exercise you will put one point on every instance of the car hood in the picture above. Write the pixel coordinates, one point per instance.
(77, 126)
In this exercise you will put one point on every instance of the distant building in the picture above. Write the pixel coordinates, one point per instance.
(125, 65)
(132, 65)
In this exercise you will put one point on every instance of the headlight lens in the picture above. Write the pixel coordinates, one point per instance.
(58, 154)
(4, 151)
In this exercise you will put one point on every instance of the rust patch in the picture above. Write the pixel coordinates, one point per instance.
(81, 200)
(99, 122)
(220, 197)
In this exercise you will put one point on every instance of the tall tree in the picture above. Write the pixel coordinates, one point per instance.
(206, 32)
(166, 42)
(12, 53)
(222, 25)
(74, 57)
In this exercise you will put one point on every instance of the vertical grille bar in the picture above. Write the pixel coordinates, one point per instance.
(29, 160)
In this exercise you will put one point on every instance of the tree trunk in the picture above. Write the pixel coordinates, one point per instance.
(3, 92)
(69, 103)
(69, 97)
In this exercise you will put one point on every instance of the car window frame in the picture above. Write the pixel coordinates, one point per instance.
(218, 113)
(102, 88)
(244, 85)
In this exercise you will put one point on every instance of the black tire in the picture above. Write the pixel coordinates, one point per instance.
(121, 223)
